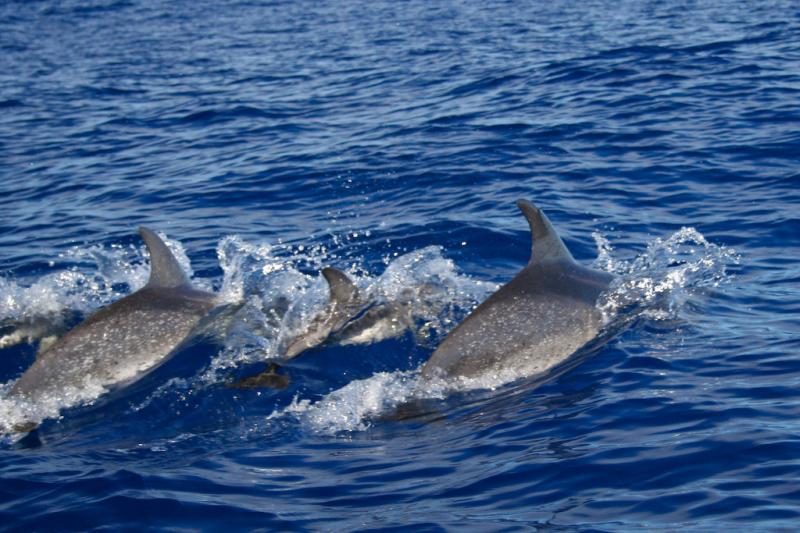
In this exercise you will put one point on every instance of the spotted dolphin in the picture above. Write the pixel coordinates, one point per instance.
(121, 342)
(350, 317)
(345, 301)
(535, 321)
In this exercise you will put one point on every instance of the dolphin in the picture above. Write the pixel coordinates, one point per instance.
(121, 342)
(534, 322)
(350, 317)
(382, 320)
(344, 303)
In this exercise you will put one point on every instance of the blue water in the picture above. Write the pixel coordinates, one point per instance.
(266, 140)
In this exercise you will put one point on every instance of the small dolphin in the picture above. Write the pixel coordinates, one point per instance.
(345, 302)
(532, 323)
(382, 320)
(119, 343)
(350, 317)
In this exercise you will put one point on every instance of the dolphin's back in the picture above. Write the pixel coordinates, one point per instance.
(123, 340)
(118, 343)
(532, 323)
(535, 321)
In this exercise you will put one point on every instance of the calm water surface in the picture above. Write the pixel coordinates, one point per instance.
(269, 139)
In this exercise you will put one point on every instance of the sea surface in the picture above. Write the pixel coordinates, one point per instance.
(267, 140)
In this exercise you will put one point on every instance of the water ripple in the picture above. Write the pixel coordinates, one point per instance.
(369, 134)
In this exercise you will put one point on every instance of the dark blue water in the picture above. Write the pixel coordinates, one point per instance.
(267, 140)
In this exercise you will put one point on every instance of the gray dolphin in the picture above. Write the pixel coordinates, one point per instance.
(350, 317)
(344, 303)
(119, 343)
(532, 323)
(382, 320)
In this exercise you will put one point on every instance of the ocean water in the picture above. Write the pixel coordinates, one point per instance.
(266, 140)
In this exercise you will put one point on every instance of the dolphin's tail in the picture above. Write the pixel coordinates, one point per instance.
(24, 427)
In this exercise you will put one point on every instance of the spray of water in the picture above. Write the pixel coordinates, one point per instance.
(657, 282)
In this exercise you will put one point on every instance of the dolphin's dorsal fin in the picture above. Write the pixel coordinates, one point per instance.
(547, 246)
(164, 268)
(342, 289)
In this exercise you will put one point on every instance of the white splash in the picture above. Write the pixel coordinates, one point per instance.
(351, 407)
(656, 283)
(355, 406)
(90, 277)
(15, 411)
